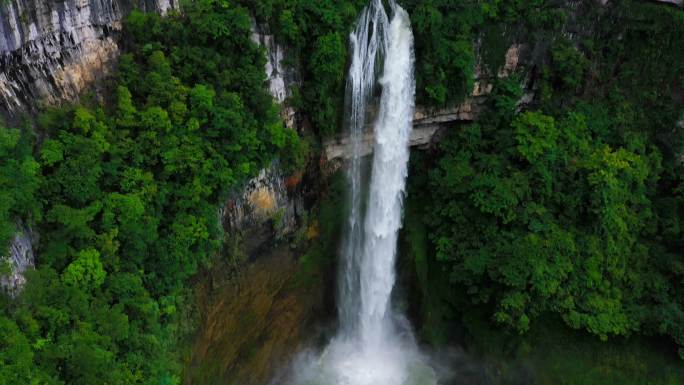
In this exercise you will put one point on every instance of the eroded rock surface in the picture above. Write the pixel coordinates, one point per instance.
(52, 51)
(251, 324)
(19, 258)
(266, 203)
(429, 123)
(281, 78)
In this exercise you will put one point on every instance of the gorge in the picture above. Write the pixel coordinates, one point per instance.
(355, 192)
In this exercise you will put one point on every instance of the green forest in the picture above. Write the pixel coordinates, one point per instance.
(557, 219)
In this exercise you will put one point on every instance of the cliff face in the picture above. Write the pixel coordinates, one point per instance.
(52, 51)
(281, 77)
(429, 123)
(19, 258)
(267, 203)
(252, 321)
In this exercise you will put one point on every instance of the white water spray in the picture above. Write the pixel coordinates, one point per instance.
(372, 348)
(368, 42)
(388, 180)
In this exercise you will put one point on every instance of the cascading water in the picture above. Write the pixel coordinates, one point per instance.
(390, 160)
(372, 348)
(368, 42)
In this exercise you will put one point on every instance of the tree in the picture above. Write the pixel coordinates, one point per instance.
(19, 180)
(85, 271)
(16, 356)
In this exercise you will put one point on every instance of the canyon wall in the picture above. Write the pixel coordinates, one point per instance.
(52, 51)
(19, 258)
(429, 123)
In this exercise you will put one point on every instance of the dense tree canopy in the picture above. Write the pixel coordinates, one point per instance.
(125, 198)
(315, 33)
(572, 207)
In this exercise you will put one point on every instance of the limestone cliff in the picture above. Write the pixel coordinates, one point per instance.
(19, 258)
(281, 77)
(51, 51)
(428, 123)
(267, 203)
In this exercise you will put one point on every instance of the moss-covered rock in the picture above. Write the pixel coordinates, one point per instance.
(251, 324)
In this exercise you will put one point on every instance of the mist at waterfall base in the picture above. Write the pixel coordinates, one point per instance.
(374, 344)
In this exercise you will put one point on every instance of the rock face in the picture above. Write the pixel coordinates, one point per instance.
(268, 202)
(254, 306)
(52, 51)
(428, 124)
(281, 78)
(265, 203)
(20, 258)
(679, 3)
(252, 323)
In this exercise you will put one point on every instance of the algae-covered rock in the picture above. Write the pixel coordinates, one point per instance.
(251, 324)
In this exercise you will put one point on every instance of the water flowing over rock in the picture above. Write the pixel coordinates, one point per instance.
(20, 258)
(374, 346)
(369, 41)
(52, 51)
(387, 184)
(430, 123)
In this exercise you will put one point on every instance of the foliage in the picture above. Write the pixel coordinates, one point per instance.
(85, 271)
(572, 208)
(553, 354)
(555, 218)
(125, 198)
(18, 181)
(315, 33)
(445, 56)
(450, 35)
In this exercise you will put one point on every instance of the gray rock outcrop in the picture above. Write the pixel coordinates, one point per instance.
(261, 200)
(51, 51)
(20, 258)
(281, 78)
(428, 124)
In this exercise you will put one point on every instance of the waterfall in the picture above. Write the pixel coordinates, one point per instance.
(372, 348)
(368, 41)
(388, 180)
